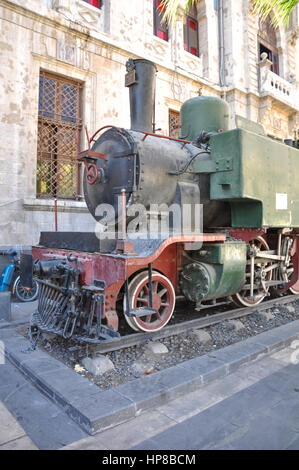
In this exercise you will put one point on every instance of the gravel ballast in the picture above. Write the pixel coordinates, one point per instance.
(137, 361)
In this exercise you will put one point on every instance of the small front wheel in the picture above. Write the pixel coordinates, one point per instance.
(25, 294)
(163, 301)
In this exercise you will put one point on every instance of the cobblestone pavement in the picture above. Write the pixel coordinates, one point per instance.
(256, 408)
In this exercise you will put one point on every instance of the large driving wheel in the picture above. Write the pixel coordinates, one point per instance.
(242, 298)
(289, 275)
(163, 301)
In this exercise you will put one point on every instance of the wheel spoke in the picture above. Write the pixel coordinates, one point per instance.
(142, 299)
(162, 292)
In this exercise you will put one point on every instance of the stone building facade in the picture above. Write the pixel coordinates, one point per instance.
(63, 67)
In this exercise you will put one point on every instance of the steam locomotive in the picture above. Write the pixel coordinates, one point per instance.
(245, 249)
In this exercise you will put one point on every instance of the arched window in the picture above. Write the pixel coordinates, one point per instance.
(191, 32)
(267, 41)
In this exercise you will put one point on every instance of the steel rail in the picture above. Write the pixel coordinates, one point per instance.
(212, 319)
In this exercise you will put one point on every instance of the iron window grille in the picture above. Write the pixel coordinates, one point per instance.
(191, 32)
(160, 27)
(59, 121)
(174, 124)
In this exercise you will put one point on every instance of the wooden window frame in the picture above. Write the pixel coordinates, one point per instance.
(268, 44)
(160, 29)
(188, 21)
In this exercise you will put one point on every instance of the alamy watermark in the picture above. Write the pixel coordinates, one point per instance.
(158, 221)
(2, 353)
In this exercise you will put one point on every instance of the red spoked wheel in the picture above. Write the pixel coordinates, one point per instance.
(92, 173)
(242, 298)
(163, 301)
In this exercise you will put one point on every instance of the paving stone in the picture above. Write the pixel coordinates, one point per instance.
(206, 367)
(64, 386)
(180, 409)
(106, 409)
(263, 433)
(236, 325)
(98, 365)
(193, 433)
(201, 336)
(5, 306)
(146, 392)
(228, 386)
(132, 433)
(9, 428)
(286, 411)
(89, 443)
(277, 338)
(156, 347)
(238, 354)
(23, 443)
(294, 445)
(44, 423)
(291, 309)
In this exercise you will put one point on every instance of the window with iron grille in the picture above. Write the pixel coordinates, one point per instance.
(160, 27)
(59, 120)
(95, 3)
(174, 124)
(191, 32)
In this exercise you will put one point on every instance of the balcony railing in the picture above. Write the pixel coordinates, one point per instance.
(272, 84)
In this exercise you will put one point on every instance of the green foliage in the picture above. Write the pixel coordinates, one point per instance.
(282, 8)
(172, 7)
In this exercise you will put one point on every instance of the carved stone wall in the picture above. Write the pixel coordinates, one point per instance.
(82, 13)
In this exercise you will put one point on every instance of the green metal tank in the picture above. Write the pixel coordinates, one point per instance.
(206, 113)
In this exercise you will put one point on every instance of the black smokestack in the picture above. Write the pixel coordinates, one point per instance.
(140, 79)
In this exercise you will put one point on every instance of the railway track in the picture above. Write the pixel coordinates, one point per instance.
(136, 339)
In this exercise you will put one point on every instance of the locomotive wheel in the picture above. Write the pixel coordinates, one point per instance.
(286, 277)
(289, 275)
(242, 298)
(163, 301)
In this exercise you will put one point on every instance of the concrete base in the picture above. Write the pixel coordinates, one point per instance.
(5, 306)
(95, 410)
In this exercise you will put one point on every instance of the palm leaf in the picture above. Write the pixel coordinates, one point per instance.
(282, 8)
(172, 8)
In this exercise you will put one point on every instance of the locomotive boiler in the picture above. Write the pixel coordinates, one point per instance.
(245, 249)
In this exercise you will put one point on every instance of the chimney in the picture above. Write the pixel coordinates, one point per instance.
(141, 79)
